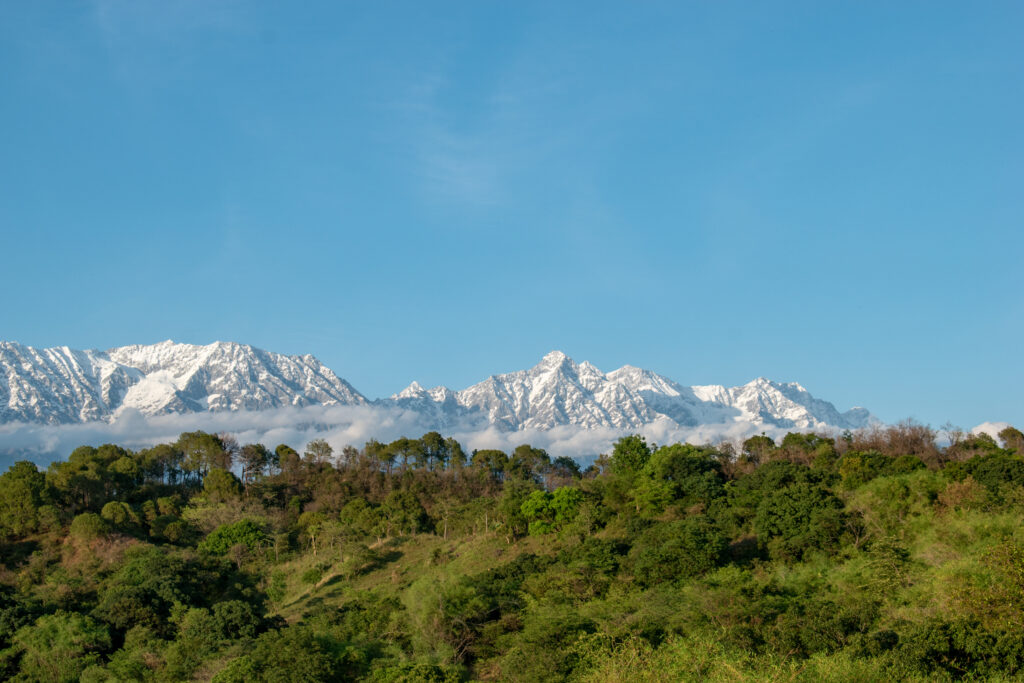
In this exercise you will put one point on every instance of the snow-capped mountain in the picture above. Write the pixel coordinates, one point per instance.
(438, 407)
(63, 385)
(558, 391)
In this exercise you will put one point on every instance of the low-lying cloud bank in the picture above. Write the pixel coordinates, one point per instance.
(340, 426)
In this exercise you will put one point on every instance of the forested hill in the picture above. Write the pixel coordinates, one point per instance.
(878, 556)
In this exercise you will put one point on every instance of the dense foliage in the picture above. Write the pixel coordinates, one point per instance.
(872, 556)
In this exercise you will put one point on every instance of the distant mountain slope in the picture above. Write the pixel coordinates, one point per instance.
(558, 391)
(62, 385)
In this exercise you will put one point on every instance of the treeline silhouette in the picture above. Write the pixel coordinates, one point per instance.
(881, 554)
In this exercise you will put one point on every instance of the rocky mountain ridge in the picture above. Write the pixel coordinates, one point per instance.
(66, 386)
(63, 385)
(558, 391)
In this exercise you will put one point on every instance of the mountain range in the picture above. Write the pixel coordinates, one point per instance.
(67, 386)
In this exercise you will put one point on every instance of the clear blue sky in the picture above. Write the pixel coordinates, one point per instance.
(831, 193)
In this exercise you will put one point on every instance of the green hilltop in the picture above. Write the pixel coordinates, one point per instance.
(879, 555)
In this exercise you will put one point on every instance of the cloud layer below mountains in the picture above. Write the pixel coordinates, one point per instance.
(339, 425)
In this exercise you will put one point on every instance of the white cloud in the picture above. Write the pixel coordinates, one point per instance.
(991, 428)
(339, 425)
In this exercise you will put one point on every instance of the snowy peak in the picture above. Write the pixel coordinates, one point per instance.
(558, 391)
(62, 385)
(59, 385)
(555, 391)
(414, 390)
(439, 407)
(553, 358)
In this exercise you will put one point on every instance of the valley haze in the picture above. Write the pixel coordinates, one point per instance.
(55, 399)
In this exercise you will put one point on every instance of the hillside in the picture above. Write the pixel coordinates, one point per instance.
(881, 556)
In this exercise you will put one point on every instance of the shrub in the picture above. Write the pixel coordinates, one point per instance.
(120, 515)
(677, 550)
(313, 575)
(680, 474)
(235, 619)
(221, 485)
(179, 532)
(245, 532)
(88, 526)
(798, 519)
(59, 647)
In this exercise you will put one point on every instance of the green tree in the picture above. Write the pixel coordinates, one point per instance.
(799, 519)
(311, 523)
(235, 620)
(629, 455)
(161, 463)
(361, 518)
(291, 655)
(202, 452)
(679, 474)
(456, 455)
(318, 451)
(435, 450)
(808, 448)
(443, 614)
(120, 516)
(149, 584)
(546, 512)
(88, 526)
(198, 638)
(288, 459)
(493, 461)
(536, 509)
(60, 646)
(406, 449)
(404, 512)
(677, 551)
(565, 503)
(239, 670)
(23, 491)
(255, 459)
(1013, 439)
(759, 449)
(87, 480)
(513, 495)
(528, 462)
(246, 532)
(992, 469)
(859, 467)
(221, 485)
(381, 454)
(565, 467)
(135, 660)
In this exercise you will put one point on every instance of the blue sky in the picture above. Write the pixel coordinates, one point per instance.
(829, 193)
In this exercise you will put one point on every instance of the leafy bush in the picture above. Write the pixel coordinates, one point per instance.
(677, 551)
(547, 512)
(59, 647)
(88, 526)
(681, 475)
(221, 485)
(312, 576)
(119, 515)
(798, 519)
(23, 491)
(991, 470)
(246, 532)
